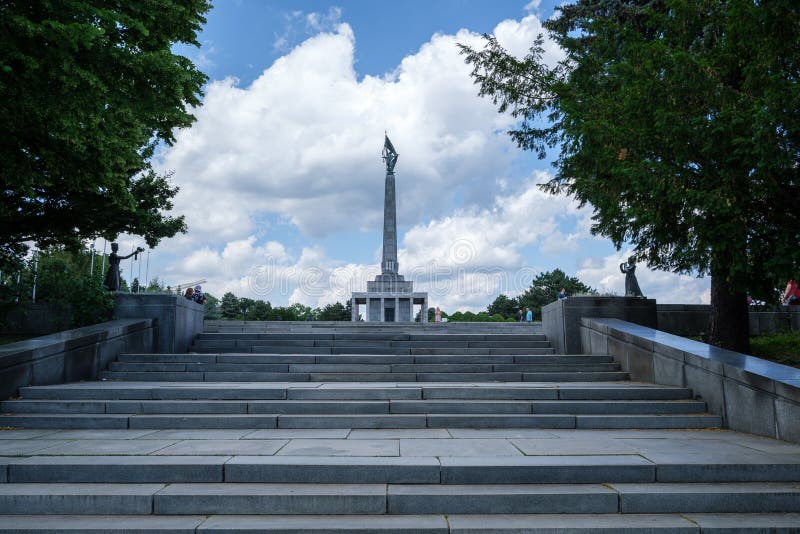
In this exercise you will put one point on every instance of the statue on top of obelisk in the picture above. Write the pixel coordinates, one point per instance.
(389, 155)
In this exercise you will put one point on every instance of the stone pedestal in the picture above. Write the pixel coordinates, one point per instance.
(178, 320)
(561, 320)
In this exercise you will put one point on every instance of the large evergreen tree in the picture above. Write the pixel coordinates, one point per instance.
(678, 121)
(88, 88)
(545, 287)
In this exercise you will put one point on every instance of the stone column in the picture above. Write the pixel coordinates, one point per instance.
(397, 309)
(383, 310)
(424, 315)
(367, 318)
(353, 310)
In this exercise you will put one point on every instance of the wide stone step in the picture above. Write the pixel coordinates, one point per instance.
(404, 499)
(249, 376)
(448, 420)
(349, 407)
(377, 359)
(362, 349)
(405, 524)
(266, 391)
(361, 367)
(373, 336)
(566, 469)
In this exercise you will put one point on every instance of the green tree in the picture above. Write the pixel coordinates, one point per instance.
(544, 290)
(88, 89)
(229, 306)
(503, 305)
(334, 312)
(211, 310)
(155, 286)
(62, 277)
(246, 308)
(260, 311)
(678, 122)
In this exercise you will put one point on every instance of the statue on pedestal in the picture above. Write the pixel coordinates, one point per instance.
(631, 284)
(112, 280)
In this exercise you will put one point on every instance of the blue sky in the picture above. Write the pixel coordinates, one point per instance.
(281, 178)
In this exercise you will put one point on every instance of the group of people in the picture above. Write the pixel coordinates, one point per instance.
(195, 294)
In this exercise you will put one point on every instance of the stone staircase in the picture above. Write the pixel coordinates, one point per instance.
(320, 427)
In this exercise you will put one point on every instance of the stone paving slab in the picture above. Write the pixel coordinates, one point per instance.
(407, 433)
(105, 434)
(118, 524)
(741, 523)
(563, 524)
(117, 469)
(106, 447)
(234, 498)
(77, 498)
(19, 447)
(300, 433)
(224, 447)
(546, 469)
(458, 447)
(341, 447)
(708, 498)
(333, 469)
(501, 499)
(314, 524)
(207, 433)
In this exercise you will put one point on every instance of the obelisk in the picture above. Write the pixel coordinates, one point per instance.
(389, 264)
(390, 297)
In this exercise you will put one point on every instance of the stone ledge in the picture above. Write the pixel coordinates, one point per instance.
(72, 355)
(751, 394)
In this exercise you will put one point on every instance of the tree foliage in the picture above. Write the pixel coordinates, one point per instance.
(334, 312)
(63, 278)
(503, 305)
(677, 121)
(545, 287)
(88, 88)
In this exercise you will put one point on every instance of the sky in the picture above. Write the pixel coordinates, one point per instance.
(281, 179)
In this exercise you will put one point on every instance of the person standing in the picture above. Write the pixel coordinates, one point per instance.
(562, 294)
(528, 315)
(437, 315)
(791, 297)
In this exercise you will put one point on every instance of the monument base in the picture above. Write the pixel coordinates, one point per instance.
(561, 320)
(390, 306)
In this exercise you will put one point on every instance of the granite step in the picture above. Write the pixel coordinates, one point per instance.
(403, 499)
(361, 367)
(378, 359)
(372, 336)
(448, 470)
(431, 406)
(267, 391)
(405, 524)
(392, 420)
(250, 376)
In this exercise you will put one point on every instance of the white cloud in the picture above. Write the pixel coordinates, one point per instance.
(303, 140)
(604, 275)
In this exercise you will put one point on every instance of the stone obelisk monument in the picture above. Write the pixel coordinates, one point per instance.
(390, 298)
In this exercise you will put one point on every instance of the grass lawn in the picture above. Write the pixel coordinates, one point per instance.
(782, 348)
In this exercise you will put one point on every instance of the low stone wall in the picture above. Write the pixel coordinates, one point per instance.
(561, 319)
(71, 355)
(692, 319)
(178, 320)
(751, 394)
